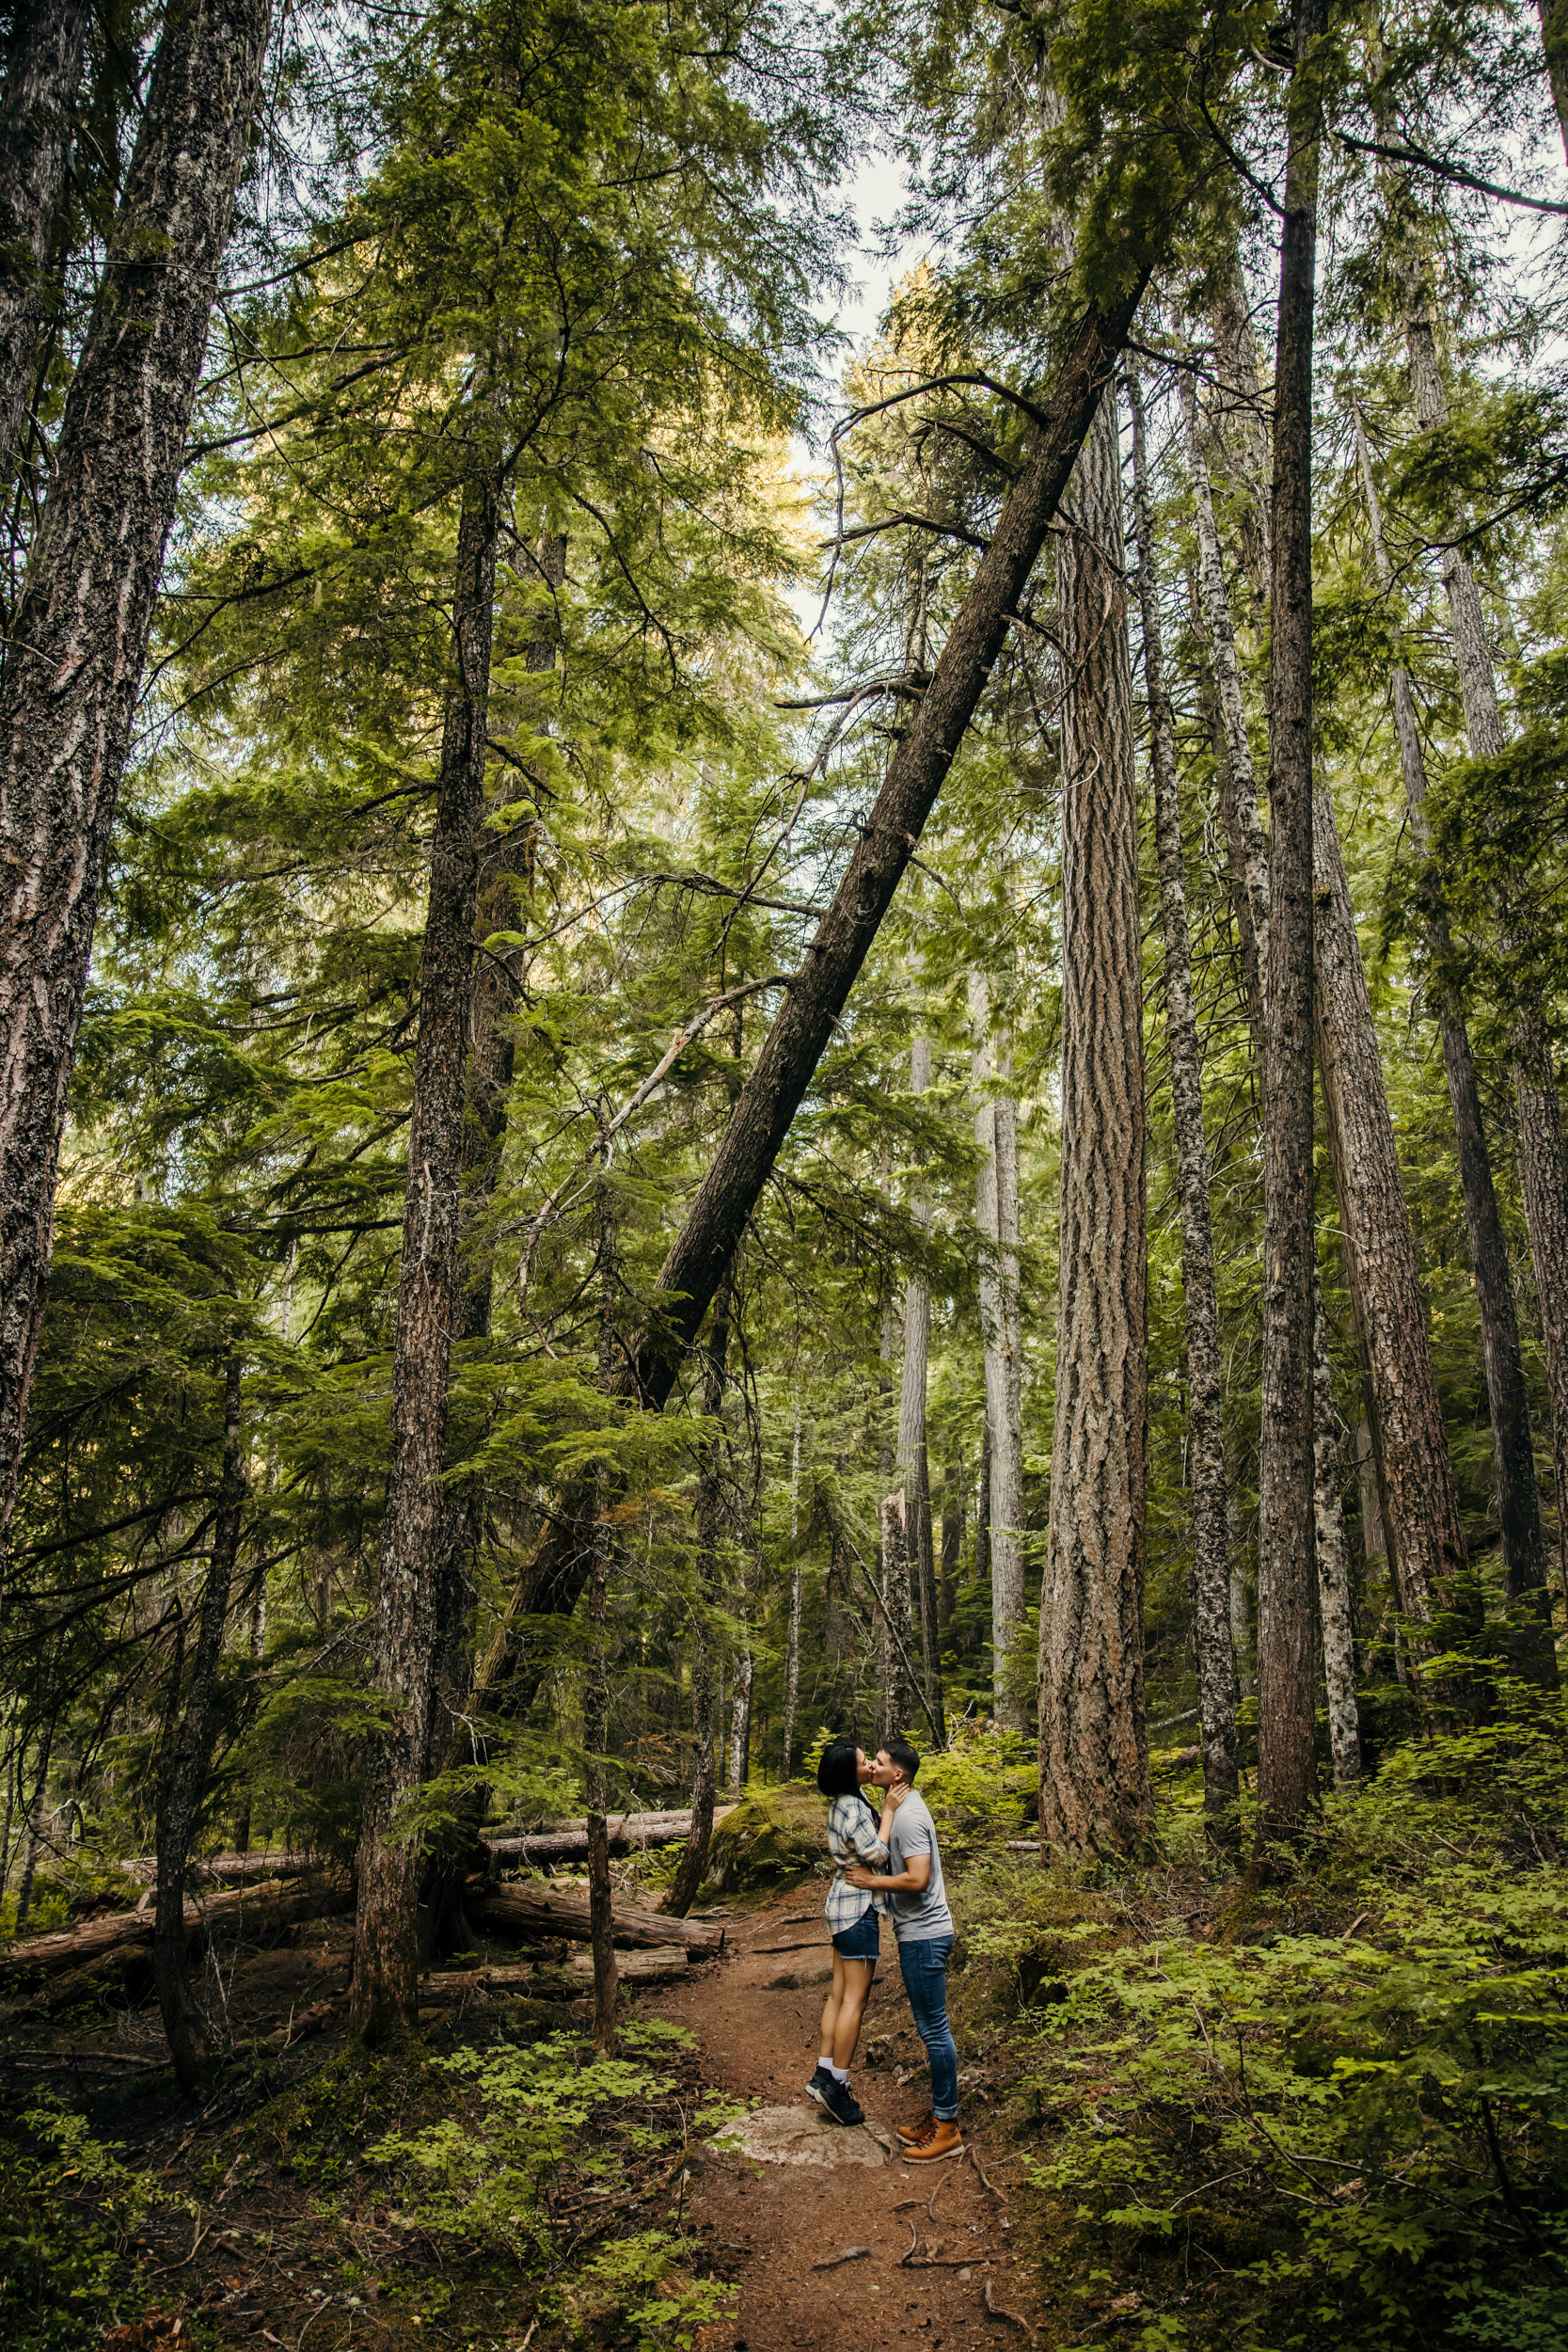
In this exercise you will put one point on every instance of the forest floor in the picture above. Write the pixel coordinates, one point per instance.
(756, 2017)
(258, 2216)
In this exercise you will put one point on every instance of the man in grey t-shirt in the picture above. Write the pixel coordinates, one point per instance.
(924, 1927)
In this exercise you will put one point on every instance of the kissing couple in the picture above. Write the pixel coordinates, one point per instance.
(892, 1865)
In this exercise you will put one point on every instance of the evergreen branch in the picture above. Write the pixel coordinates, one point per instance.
(1456, 173)
(919, 522)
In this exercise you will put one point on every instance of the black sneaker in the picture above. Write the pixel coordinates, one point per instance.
(838, 2102)
(819, 2083)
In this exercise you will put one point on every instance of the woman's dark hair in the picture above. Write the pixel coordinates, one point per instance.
(838, 1774)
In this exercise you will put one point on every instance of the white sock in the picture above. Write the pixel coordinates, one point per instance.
(839, 2073)
(825, 2063)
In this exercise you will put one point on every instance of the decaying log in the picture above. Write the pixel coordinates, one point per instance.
(568, 1841)
(259, 1909)
(531, 1910)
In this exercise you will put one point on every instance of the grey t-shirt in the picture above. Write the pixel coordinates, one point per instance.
(917, 1918)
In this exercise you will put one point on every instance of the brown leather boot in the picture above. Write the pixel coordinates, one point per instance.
(911, 2133)
(945, 2140)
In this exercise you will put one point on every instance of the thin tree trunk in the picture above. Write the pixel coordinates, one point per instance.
(406, 1623)
(595, 1711)
(72, 670)
(895, 1696)
(693, 1868)
(792, 1639)
(35, 1825)
(182, 1780)
(914, 1464)
(1335, 1615)
(1244, 425)
(43, 73)
(1543, 1170)
(1093, 1734)
(1286, 1772)
(552, 1578)
(996, 1218)
(952, 1531)
(1216, 1664)
(982, 1512)
(1424, 1527)
(740, 1723)
(1248, 852)
(1512, 1447)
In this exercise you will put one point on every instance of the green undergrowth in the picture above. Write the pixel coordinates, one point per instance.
(69, 2212)
(524, 2165)
(1323, 2104)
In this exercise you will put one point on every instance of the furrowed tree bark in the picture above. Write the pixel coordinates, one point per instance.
(190, 1747)
(405, 1622)
(1336, 1618)
(1094, 1788)
(43, 73)
(783, 1070)
(1543, 1170)
(72, 670)
(912, 1460)
(693, 1868)
(996, 1217)
(1512, 1447)
(1286, 1772)
(1216, 1664)
(1421, 1497)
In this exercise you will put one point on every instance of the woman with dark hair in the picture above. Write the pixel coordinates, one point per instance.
(854, 1839)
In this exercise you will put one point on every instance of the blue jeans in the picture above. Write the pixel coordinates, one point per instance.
(924, 1968)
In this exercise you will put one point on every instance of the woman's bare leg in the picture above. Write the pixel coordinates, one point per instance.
(831, 2010)
(850, 2007)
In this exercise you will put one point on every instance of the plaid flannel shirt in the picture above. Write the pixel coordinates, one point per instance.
(852, 1837)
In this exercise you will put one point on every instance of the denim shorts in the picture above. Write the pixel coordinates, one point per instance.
(864, 1940)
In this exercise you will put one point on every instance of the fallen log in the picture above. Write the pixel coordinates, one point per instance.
(259, 1909)
(444, 1986)
(568, 1841)
(529, 1910)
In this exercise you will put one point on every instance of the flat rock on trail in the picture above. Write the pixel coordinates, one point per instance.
(775, 2218)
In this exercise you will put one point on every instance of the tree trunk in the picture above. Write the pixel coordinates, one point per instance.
(1216, 1664)
(552, 1578)
(792, 1639)
(1513, 1448)
(1543, 1171)
(1244, 828)
(34, 1836)
(982, 1511)
(43, 73)
(895, 1696)
(952, 1530)
(1335, 1615)
(407, 1622)
(595, 1709)
(1424, 1527)
(693, 1868)
(996, 1218)
(1093, 1735)
(1554, 42)
(740, 1724)
(185, 1772)
(913, 1467)
(72, 670)
(1242, 393)
(1286, 1772)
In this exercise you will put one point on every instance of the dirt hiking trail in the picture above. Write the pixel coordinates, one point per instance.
(755, 2015)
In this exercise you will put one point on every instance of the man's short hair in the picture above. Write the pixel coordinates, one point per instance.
(906, 1758)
